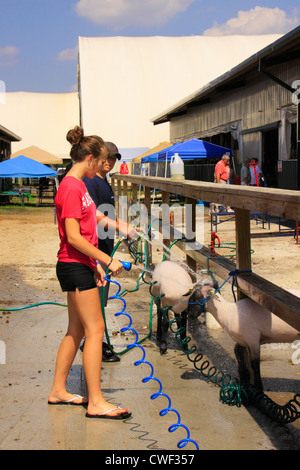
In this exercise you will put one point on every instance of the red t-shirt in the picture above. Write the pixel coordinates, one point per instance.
(220, 169)
(72, 201)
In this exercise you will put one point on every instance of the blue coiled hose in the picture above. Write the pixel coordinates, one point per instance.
(164, 411)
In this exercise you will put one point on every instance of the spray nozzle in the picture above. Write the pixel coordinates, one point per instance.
(126, 265)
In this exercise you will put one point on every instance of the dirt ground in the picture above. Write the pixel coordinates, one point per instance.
(29, 245)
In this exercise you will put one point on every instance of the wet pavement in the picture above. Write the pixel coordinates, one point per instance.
(32, 336)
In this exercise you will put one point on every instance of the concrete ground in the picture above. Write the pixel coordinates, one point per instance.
(31, 338)
(27, 422)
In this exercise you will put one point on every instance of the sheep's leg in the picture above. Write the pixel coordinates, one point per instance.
(162, 328)
(159, 322)
(255, 364)
(249, 369)
(244, 367)
(181, 320)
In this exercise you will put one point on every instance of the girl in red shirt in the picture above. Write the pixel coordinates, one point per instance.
(79, 272)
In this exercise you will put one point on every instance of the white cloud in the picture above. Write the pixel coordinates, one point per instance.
(122, 13)
(68, 54)
(258, 20)
(8, 55)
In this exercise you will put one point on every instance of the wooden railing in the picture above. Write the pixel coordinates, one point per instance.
(274, 202)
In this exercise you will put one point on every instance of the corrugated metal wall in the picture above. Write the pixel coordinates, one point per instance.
(256, 104)
(286, 177)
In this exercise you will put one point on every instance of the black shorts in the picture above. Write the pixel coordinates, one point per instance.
(74, 276)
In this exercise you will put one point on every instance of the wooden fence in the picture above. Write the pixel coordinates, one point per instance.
(274, 202)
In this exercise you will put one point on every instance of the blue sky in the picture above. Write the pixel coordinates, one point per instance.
(38, 38)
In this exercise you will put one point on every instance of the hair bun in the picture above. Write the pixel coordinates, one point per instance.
(75, 136)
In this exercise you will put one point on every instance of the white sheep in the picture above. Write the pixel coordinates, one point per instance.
(247, 323)
(172, 282)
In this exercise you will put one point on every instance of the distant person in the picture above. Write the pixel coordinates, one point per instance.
(230, 171)
(230, 180)
(257, 177)
(245, 173)
(221, 173)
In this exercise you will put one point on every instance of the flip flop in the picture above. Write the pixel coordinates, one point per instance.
(124, 415)
(69, 402)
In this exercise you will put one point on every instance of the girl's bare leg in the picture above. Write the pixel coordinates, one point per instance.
(86, 320)
(66, 355)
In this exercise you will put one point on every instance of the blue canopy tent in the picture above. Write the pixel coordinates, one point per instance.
(24, 167)
(154, 156)
(152, 159)
(193, 149)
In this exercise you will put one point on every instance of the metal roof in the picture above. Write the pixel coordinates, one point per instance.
(9, 135)
(284, 49)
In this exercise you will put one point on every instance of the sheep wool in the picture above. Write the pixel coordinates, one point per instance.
(174, 282)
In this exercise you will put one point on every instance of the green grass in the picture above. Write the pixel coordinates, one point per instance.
(17, 208)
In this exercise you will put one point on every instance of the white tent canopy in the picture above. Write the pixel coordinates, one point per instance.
(41, 119)
(126, 81)
(129, 154)
(39, 155)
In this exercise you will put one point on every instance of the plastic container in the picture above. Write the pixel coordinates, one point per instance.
(124, 169)
(177, 168)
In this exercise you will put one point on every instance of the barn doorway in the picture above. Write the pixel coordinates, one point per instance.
(270, 157)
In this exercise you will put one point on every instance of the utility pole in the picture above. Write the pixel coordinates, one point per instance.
(298, 144)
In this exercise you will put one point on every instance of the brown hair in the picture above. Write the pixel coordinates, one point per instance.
(85, 145)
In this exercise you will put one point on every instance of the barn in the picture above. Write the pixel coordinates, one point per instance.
(252, 108)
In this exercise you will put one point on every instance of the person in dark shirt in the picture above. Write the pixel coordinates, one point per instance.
(103, 196)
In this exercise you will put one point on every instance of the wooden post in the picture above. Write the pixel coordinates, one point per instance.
(147, 203)
(119, 193)
(125, 194)
(191, 228)
(119, 188)
(134, 193)
(112, 182)
(243, 242)
(165, 213)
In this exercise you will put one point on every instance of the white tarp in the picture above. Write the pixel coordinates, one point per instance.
(126, 81)
(39, 155)
(41, 119)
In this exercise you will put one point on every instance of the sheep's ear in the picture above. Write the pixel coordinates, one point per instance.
(208, 291)
(210, 282)
(189, 292)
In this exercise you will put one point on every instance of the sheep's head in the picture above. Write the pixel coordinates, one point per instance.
(200, 291)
